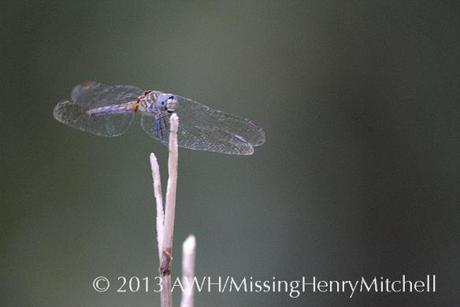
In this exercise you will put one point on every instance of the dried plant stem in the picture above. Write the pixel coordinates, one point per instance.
(159, 202)
(166, 295)
(166, 213)
(188, 270)
(165, 225)
(170, 204)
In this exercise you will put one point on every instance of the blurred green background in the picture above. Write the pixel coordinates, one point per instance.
(359, 175)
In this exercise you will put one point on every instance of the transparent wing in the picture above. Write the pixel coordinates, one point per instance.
(203, 128)
(91, 95)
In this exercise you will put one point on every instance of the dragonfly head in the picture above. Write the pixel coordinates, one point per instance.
(167, 102)
(157, 102)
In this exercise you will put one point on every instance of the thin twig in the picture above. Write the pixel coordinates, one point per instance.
(159, 202)
(165, 248)
(165, 226)
(188, 270)
(166, 294)
(170, 205)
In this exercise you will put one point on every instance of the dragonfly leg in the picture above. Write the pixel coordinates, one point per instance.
(157, 127)
(160, 125)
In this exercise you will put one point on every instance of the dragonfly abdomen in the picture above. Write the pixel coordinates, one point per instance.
(114, 109)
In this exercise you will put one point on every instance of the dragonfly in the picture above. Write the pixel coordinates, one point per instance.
(109, 110)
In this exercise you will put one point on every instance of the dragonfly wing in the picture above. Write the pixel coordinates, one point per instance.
(92, 95)
(203, 128)
(76, 116)
(198, 115)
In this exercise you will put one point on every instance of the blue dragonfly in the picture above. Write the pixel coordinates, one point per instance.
(108, 110)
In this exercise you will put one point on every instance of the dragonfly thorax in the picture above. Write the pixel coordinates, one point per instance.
(157, 103)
